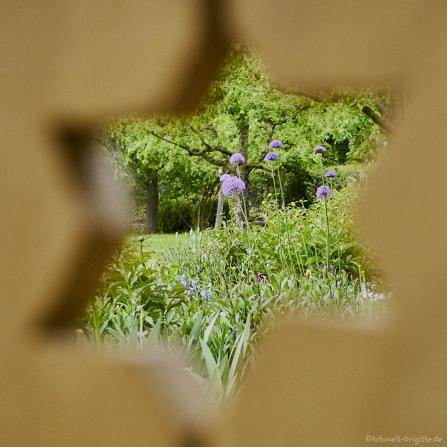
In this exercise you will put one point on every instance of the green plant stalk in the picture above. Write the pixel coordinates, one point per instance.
(289, 242)
(244, 209)
(306, 249)
(327, 233)
(283, 203)
(327, 246)
(283, 258)
(274, 185)
(306, 253)
(327, 229)
(245, 213)
(321, 169)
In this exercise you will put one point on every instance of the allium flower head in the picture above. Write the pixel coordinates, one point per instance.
(319, 149)
(275, 144)
(232, 186)
(330, 174)
(224, 177)
(271, 156)
(324, 191)
(237, 159)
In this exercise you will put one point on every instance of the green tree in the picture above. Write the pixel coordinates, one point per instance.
(183, 156)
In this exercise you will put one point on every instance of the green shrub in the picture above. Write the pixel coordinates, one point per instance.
(180, 215)
(175, 215)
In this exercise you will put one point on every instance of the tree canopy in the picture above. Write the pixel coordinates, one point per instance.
(242, 113)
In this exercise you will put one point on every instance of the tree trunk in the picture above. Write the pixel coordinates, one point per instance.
(220, 207)
(152, 201)
(198, 216)
(243, 204)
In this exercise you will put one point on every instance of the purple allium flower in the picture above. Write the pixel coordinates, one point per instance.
(271, 156)
(224, 177)
(324, 192)
(319, 149)
(232, 185)
(237, 159)
(330, 174)
(275, 144)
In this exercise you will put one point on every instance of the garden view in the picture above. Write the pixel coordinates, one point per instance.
(242, 212)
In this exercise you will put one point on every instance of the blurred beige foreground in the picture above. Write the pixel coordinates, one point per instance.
(68, 65)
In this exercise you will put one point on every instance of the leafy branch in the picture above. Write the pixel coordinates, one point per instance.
(205, 152)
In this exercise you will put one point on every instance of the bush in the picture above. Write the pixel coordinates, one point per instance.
(175, 215)
(180, 215)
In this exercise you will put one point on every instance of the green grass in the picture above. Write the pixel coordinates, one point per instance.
(157, 243)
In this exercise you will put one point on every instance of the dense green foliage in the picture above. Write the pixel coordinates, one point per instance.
(243, 112)
(176, 215)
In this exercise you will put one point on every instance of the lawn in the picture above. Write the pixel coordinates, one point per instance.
(157, 243)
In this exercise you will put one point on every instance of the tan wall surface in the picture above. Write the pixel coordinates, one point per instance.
(77, 63)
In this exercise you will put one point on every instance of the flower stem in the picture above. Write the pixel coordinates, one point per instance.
(244, 209)
(327, 233)
(274, 184)
(327, 246)
(283, 203)
(289, 242)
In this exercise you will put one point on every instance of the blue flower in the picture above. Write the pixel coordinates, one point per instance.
(319, 149)
(275, 144)
(190, 287)
(232, 186)
(194, 286)
(330, 174)
(224, 177)
(205, 294)
(184, 280)
(271, 156)
(324, 192)
(237, 159)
